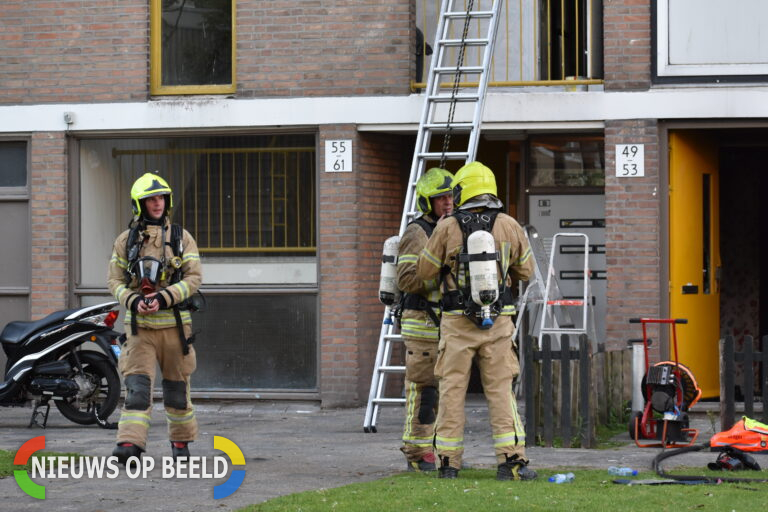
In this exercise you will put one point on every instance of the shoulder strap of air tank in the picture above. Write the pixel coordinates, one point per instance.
(132, 248)
(426, 225)
(177, 237)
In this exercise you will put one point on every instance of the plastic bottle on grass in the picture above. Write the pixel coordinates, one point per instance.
(561, 478)
(613, 470)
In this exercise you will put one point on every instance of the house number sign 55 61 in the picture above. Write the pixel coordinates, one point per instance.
(630, 160)
(338, 155)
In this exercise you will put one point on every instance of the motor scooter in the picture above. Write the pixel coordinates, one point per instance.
(49, 361)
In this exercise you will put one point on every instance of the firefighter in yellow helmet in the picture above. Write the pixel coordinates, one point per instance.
(464, 337)
(420, 320)
(154, 272)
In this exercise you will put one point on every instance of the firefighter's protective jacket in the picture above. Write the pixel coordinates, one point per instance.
(415, 324)
(128, 293)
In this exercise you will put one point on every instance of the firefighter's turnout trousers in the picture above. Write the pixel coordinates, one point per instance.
(460, 341)
(138, 361)
(420, 398)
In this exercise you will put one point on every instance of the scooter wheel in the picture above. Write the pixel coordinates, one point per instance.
(636, 418)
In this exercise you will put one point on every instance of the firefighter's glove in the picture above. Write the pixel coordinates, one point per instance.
(160, 298)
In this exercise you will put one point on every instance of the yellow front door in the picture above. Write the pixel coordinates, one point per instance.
(694, 247)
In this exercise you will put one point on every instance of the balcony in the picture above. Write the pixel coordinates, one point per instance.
(553, 43)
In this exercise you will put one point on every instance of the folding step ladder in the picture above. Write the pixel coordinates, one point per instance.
(585, 323)
(532, 299)
(438, 118)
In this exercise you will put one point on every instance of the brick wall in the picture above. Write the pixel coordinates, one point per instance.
(337, 244)
(358, 211)
(324, 48)
(75, 51)
(633, 245)
(49, 209)
(627, 41)
(71, 51)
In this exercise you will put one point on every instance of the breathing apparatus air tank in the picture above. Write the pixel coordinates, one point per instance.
(389, 294)
(483, 273)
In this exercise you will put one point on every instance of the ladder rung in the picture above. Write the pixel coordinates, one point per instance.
(463, 69)
(445, 98)
(448, 156)
(391, 368)
(465, 42)
(393, 337)
(453, 126)
(565, 302)
(388, 400)
(562, 331)
(472, 14)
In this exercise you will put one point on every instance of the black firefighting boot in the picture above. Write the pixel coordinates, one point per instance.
(447, 471)
(515, 468)
(425, 463)
(179, 449)
(124, 451)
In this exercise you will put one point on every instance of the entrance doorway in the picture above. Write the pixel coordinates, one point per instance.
(717, 228)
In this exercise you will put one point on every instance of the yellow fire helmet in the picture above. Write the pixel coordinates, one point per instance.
(147, 186)
(472, 180)
(433, 183)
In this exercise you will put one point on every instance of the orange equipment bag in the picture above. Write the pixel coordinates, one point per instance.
(747, 435)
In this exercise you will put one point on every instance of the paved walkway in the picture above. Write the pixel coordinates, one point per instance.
(288, 447)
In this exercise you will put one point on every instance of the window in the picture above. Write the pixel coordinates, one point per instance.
(13, 164)
(15, 253)
(576, 161)
(250, 202)
(192, 47)
(710, 40)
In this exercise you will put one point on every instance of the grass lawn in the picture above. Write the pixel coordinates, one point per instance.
(478, 490)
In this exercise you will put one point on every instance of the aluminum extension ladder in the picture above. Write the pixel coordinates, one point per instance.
(437, 118)
(549, 323)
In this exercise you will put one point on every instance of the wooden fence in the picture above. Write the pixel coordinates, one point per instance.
(567, 401)
(754, 362)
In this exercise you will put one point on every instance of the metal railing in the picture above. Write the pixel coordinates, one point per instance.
(237, 200)
(539, 43)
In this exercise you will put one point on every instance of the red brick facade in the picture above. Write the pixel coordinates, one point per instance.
(632, 232)
(358, 211)
(49, 211)
(627, 45)
(313, 48)
(73, 51)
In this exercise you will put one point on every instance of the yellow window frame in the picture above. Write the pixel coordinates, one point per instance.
(155, 62)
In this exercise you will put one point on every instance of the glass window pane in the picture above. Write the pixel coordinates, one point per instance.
(567, 162)
(257, 342)
(13, 164)
(15, 270)
(196, 42)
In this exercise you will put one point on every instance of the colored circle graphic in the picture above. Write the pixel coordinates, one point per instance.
(22, 476)
(237, 476)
